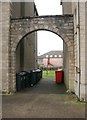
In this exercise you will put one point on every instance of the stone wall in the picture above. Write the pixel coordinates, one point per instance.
(83, 79)
(67, 9)
(86, 50)
(66, 65)
(80, 73)
(30, 50)
(82, 28)
(60, 25)
(5, 43)
(0, 47)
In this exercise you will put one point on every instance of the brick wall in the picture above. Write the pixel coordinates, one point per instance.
(56, 62)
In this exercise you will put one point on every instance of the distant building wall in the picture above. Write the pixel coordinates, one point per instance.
(56, 62)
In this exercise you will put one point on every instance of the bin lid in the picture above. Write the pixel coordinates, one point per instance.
(23, 73)
(38, 70)
(33, 70)
(30, 71)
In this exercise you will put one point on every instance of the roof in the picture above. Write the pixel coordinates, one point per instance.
(52, 54)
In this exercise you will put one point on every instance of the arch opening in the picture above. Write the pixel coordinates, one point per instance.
(48, 70)
(56, 40)
(62, 36)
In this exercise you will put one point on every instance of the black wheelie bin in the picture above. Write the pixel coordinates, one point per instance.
(38, 74)
(20, 80)
(33, 80)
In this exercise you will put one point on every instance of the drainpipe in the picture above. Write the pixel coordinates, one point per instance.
(78, 49)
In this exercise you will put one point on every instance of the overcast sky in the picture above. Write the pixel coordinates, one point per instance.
(48, 41)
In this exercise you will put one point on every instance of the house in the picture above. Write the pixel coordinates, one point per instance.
(52, 59)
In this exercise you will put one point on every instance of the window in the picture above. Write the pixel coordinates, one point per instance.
(46, 56)
(51, 56)
(60, 56)
(55, 56)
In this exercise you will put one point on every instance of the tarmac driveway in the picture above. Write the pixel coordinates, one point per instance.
(44, 100)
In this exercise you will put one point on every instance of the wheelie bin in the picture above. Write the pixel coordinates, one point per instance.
(59, 76)
(20, 80)
(33, 80)
(29, 78)
(26, 79)
(38, 75)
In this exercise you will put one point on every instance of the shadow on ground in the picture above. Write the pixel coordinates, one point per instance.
(46, 86)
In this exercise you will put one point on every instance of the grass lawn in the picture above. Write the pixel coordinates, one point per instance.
(49, 74)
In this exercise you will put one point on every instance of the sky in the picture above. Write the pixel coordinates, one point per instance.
(48, 7)
(48, 41)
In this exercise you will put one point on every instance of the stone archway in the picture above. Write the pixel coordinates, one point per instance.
(60, 25)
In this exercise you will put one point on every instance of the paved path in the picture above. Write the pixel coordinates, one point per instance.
(44, 100)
